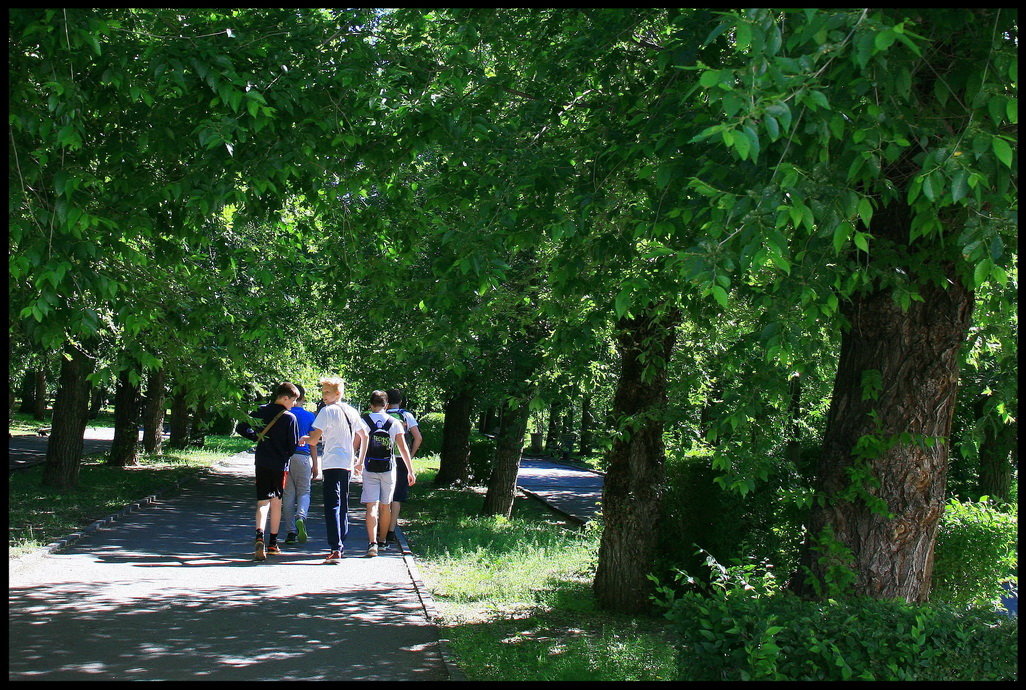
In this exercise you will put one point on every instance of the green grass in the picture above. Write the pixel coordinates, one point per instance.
(38, 515)
(514, 595)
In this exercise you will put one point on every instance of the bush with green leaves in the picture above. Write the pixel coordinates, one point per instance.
(741, 632)
(431, 430)
(975, 553)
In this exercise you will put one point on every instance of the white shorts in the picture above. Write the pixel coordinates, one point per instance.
(378, 486)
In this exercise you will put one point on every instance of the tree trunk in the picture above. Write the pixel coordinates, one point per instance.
(179, 424)
(39, 404)
(123, 450)
(96, 401)
(70, 416)
(502, 484)
(632, 495)
(996, 459)
(27, 393)
(894, 393)
(554, 432)
(454, 464)
(153, 412)
(586, 423)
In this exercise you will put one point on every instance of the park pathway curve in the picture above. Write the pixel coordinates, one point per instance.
(171, 593)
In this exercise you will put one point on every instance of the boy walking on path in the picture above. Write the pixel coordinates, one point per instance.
(303, 467)
(379, 469)
(340, 426)
(405, 477)
(275, 442)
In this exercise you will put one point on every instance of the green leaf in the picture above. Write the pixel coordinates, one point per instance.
(742, 36)
(960, 185)
(842, 232)
(720, 295)
(860, 241)
(884, 40)
(982, 272)
(1002, 150)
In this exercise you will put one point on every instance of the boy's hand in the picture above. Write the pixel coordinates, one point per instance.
(411, 478)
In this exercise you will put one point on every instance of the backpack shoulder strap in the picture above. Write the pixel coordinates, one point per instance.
(262, 434)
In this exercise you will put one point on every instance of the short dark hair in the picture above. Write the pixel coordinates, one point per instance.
(395, 397)
(286, 390)
(302, 391)
(378, 399)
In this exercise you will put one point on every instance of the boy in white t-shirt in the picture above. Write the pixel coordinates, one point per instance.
(379, 468)
(341, 427)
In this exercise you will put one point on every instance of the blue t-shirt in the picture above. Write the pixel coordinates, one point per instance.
(305, 419)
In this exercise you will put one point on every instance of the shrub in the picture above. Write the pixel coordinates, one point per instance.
(974, 554)
(431, 425)
(733, 635)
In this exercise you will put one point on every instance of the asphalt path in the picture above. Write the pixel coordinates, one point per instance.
(25, 451)
(172, 593)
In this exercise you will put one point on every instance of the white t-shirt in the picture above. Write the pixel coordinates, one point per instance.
(335, 421)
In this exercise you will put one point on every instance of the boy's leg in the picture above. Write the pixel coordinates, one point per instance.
(288, 502)
(384, 519)
(372, 521)
(263, 507)
(275, 515)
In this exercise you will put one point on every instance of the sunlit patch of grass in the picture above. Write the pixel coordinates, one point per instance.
(514, 595)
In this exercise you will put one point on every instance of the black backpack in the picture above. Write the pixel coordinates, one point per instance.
(379, 445)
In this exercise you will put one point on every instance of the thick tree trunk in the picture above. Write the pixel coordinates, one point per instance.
(885, 448)
(179, 423)
(96, 401)
(153, 412)
(632, 495)
(70, 413)
(502, 484)
(454, 463)
(123, 450)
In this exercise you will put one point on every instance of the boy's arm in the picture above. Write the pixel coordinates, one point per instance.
(417, 438)
(360, 438)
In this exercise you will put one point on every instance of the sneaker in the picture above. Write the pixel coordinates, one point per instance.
(372, 550)
(334, 557)
(391, 538)
(383, 546)
(259, 554)
(274, 550)
(290, 538)
(301, 528)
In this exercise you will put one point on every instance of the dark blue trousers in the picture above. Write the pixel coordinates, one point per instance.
(336, 507)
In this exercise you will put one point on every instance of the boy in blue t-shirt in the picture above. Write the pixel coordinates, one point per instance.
(303, 468)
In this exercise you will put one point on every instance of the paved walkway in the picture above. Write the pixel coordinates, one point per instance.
(172, 593)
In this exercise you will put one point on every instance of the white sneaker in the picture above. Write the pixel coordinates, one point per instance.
(372, 550)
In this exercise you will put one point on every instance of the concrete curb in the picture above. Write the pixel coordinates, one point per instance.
(445, 651)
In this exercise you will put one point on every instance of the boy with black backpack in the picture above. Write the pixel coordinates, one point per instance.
(379, 469)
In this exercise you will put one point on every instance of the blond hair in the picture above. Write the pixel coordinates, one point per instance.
(334, 382)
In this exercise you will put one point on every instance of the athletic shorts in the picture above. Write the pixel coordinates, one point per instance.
(377, 486)
(402, 481)
(270, 483)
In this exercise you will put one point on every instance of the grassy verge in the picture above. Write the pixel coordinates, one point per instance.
(515, 597)
(38, 515)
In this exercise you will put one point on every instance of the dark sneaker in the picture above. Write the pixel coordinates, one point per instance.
(274, 550)
(333, 558)
(391, 538)
(290, 538)
(383, 546)
(259, 553)
(301, 528)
